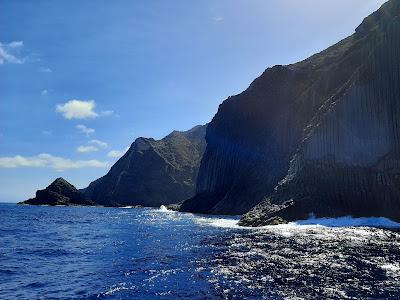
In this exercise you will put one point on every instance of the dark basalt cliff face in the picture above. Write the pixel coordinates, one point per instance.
(317, 137)
(153, 172)
(60, 192)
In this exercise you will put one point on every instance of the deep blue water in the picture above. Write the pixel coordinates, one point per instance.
(115, 253)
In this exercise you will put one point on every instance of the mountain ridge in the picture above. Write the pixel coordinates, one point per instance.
(151, 173)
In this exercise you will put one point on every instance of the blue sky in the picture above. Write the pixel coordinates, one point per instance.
(80, 80)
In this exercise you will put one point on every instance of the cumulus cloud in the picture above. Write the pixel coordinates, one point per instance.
(77, 109)
(99, 143)
(46, 160)
(117, 153)
(87, 149)
(81, 109)
(84, 129)
(8, 53)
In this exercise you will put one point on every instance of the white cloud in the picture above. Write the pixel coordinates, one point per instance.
(8, 55)
(116, 153)
(77, 109)
(44, 92)
(99, 143)
(84, 129)
(87, 149)
(81, 109)
(218, 18)
(16, 44)
(45, 160)
(94, 146)
(45, 70)
(107, 113)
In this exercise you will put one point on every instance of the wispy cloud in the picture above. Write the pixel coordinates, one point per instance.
(44, 92)
(46, 160)
(77, 109)
(99, 143)
(84, 129)
(216, 17)
(93, 146)
(9, 53)
(87, 149)
(107, 113)
(15, 44)
(47, 132)
(117, 153)
(45, 70)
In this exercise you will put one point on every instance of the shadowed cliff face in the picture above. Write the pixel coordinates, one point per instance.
(330, 120)
(59, 192)
(348, 162)
(153, 173)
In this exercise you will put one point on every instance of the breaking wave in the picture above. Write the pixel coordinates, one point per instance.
(349, 221)
(375, 222)
(163, 208)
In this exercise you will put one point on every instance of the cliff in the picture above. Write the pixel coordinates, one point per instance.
(317, 137)
(152, 172)
(59, 192)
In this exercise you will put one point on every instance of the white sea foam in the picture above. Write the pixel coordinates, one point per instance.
(351, 222)
(163, 208)
(377, 222)
(220, 222)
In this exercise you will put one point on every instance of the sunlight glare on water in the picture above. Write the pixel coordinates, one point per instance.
(139, 253)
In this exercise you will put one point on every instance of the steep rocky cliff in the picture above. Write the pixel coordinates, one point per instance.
(153, 172)
(60, 192)
(317, 137)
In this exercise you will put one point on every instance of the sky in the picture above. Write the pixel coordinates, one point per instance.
(81, 80)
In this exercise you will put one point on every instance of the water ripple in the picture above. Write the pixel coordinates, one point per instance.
(92, 253)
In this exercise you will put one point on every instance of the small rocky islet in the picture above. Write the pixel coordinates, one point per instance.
(59, 192)
(317, 137)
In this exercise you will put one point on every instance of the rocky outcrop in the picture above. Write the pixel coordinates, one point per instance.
(60, 192)
(153, 172)
(317, 137)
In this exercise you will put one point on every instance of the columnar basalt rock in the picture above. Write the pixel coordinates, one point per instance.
(317, 137)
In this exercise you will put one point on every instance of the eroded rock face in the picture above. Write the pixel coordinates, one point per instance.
(153, 172)
(317, 137)
(60, 192)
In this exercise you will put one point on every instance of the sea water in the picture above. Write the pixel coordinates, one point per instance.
(141, 253)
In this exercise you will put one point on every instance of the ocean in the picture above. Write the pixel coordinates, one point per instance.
(142, 253)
